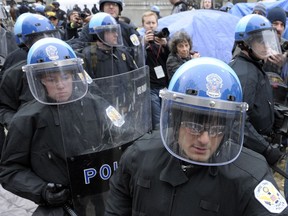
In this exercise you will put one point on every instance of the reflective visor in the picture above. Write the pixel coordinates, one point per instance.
(195, 131)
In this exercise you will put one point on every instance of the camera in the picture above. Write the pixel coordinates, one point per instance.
(83, 15)
(284, 46)
(164, 33)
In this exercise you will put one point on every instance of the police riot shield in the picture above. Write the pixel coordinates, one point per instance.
(97, 128)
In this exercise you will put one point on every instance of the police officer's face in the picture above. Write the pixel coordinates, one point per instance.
(111, 37)
(261, 49)
(58, 85)
(111, 8)
(200, 144)
(183, 49)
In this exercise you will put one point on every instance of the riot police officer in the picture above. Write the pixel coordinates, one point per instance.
(203, 164)
(129, 34)
(106, 56)
(14, 89)
(34, 157)
(257, 40)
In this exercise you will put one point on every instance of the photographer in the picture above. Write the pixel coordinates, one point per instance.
(157, 52)
(276, 63)
(74, 25)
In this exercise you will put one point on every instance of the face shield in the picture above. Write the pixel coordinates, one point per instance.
(264, 43)
(57, 82)
(30, 39)
(202, 131)
(110, 35)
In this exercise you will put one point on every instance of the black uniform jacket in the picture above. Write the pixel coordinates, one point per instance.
(257, 92)
(150, 181)
(14, 91)
(34, 155)
(103, 63)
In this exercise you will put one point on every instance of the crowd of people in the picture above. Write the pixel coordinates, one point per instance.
(78, 88)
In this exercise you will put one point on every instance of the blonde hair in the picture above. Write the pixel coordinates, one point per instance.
(148, 14)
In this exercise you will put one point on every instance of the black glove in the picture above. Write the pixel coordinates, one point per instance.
(55, 194)
(273, 154)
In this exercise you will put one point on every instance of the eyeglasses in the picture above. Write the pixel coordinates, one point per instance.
(197, 129)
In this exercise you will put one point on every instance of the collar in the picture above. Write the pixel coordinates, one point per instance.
(173, 173)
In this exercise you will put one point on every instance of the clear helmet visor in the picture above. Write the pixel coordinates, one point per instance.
(110, 35)
(264, 43)
(30, 39)
(194, 132)
(57, 82)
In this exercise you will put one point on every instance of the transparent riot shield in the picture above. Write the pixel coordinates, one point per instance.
(138, 50)
(97, 129)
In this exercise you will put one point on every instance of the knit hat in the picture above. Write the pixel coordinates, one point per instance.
(277, 14)
(260, 7)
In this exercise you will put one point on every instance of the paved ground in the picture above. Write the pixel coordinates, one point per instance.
(11, 205)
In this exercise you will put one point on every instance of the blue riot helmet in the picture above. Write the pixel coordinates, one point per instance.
(204, 96)
(55, 75)
(255, 34)
(18, 28)
(32, 27)
(39, 9)
(106, 29)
